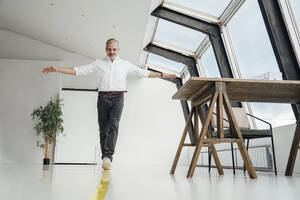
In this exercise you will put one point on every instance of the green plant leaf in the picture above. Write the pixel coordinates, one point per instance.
(49, 121)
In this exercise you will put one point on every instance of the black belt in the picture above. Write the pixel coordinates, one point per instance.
(111, 92)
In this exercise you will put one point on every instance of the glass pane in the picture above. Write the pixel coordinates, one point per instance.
(213, 7)
(177, 35)
(165, 63)
(257, 60)
(275, 113)
(296, 10)
(210, 64)
(251, 42)
(187, 77)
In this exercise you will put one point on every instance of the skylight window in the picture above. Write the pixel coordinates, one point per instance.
(178, 36)
(213, 7)
(165, 63)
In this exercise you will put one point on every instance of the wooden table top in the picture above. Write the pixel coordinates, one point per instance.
(244, 90)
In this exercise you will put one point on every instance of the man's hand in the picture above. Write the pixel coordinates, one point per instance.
(64, 70)
(171, 76)
(162, 75)
(46, 70)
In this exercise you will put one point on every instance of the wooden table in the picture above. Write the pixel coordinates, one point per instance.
(220, 92)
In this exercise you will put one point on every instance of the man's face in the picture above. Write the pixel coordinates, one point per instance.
(112, 50)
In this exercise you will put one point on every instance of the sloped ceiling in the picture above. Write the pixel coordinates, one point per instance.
(81, 26)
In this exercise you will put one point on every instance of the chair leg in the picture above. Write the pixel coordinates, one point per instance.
(232, 155)
(209, 159)
(273, 151)
(247, 150)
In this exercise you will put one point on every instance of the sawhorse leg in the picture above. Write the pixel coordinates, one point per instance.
(293, 153)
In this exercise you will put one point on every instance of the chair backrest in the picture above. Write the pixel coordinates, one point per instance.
(240, 116)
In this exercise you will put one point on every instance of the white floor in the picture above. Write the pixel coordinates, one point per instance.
(31, 182)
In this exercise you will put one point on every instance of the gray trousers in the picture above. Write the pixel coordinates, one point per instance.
(110, 107)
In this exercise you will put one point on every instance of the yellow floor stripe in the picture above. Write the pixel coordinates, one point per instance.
(102, 188)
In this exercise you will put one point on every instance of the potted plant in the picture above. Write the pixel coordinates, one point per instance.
(49, 125)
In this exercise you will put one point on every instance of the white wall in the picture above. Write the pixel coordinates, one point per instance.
(80, 142)
(26, 55)
(16, 46)
(150, 127)
(283, 138)
(151, 124)
(23, 88)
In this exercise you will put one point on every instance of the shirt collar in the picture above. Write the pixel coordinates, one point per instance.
(116, 59)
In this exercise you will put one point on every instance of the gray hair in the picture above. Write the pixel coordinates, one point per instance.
(111, 40)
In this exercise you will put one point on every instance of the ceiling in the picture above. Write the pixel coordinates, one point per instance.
(81, 26)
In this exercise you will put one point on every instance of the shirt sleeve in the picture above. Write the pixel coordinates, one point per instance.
(136, 71)
(85, 69)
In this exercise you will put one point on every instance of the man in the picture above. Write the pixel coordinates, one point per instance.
(112, 72)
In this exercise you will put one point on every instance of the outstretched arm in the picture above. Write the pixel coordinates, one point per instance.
(64, 70)
(161, 75)
(146, 73)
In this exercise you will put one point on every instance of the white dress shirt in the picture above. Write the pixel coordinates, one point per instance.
(111, 75)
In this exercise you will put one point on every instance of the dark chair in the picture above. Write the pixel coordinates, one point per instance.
(247, 133)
